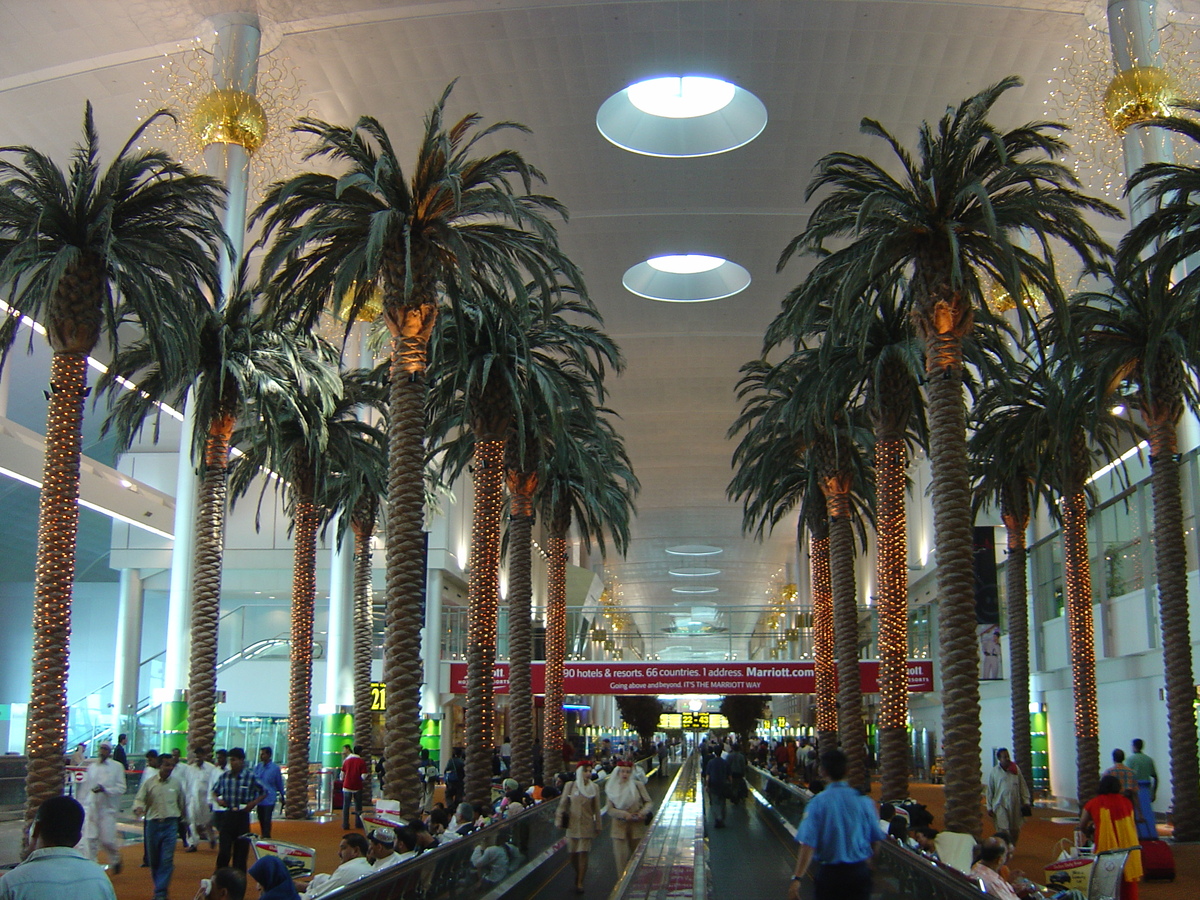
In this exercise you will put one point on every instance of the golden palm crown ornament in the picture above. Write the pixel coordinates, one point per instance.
(229, 117)
(1100, 103)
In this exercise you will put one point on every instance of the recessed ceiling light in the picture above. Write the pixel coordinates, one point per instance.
(681, 116)
(694, 590)
(694, 550)
(686, 278)
(694, 573)
(681, 97)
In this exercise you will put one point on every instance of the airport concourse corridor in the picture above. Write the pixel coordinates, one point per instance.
(556, 878)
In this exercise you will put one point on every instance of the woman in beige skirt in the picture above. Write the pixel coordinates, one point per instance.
(627, 803)
(579, 812)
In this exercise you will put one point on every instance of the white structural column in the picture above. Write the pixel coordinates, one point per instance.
(235, 67)
(431, 645)
(339, 646)
(1134, 33)
(129, 649)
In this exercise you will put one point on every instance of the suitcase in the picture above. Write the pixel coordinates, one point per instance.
(1158, 861)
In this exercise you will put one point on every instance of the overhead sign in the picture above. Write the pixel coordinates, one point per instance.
(378, 697)
(692, 678)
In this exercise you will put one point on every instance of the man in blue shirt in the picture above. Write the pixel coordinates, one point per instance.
(841, 829)
(267, 773)
(55, 869)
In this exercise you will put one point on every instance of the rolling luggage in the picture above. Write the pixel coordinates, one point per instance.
(1158, 862)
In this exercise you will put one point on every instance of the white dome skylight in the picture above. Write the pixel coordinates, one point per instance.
(686, 278)
(681, 115)
(681, 97)
(685, 263)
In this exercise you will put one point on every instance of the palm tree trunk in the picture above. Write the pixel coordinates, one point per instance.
(483, 599)
(1016, 521)
(554, 731)
(58, 523)
(1080, 632)
(304, 592)
(845, 636)
(363, 634)
(1170, 566)
(403, 672)
(892, 607)
(521, 487)
(206, 585)
(952, 523)
(824, 664)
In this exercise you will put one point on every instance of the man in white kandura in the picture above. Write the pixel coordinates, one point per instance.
(102, 787)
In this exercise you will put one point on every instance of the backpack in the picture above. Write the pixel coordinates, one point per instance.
(454, 771)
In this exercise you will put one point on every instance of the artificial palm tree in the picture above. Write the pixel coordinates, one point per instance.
(235, 353)
(801, 395)
(962, 209)
(1140, 333)
(501, 365)
(305, 452)
(83, 251)
(354, 490)
(1058, 420)
(876, 357)
(773, 477)
(457, 219)
(1005, 475)
(587, 481)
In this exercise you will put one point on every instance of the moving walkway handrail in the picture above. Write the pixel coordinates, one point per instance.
(899, 872)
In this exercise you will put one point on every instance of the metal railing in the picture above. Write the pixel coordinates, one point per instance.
(447, 872)
(898, 872)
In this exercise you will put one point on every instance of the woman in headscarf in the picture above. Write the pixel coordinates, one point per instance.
(579, 812)
(1108, 817)
(273, 879)
(627, 803)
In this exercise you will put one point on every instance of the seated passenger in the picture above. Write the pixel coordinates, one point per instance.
(383, 853)
(274, 882)
(987, 870)
(352, 852)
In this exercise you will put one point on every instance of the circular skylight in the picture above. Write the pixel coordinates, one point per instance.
(694, 590)
(685, 97)
(686, 278)
(685, 263)
(694, 550)
(694, 572)
(681, 115)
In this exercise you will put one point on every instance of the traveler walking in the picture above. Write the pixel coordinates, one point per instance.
(164, 801)
(1008, 798)
(236, 792)
(102, 787)
(579, 813)
(716, 781)
(1143, 767)
(267, 771)
(840, 829)
(627, 805)
(354, 771)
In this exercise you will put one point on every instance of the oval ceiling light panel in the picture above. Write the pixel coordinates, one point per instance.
(694, 590)
(686, 278)
(694, 573)
(694, 550)
(681, 116)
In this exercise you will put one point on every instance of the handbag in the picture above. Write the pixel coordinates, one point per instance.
(646, 818)
(564, 817)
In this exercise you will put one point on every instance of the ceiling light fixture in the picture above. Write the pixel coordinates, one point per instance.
(694, 550)
(681, 97)
(686, 278)
(681, 116)
(695, 590)
(693, 573)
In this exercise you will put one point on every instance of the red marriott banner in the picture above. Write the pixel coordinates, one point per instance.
(692, 678)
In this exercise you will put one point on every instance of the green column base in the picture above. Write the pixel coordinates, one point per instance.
(174, 719)
(431, 739)
(337, 730)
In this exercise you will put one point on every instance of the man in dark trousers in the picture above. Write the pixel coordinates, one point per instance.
(237, 792)
(354, 773)
(841, 829)
(716, 781)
